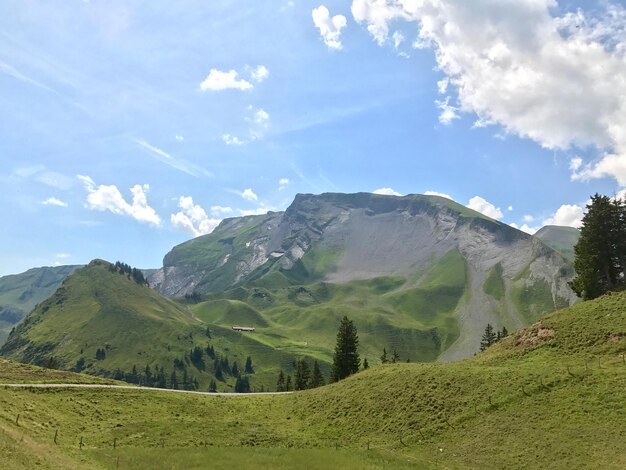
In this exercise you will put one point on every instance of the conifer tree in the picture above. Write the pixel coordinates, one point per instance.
(489, 337)
(395, 357)
(173, 381)
(383, 357)
(288, 385)
(235, 370)
(302, 375)
(601, 249)
(212, 386)
(134, 376)
(249, 369)
(366, 364)
(317, 379)
(219, 374)
(346, 358)
(280, 383)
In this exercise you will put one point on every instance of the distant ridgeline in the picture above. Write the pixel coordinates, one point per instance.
(421, 276)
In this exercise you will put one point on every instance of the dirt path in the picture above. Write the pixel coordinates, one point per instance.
(145, 389)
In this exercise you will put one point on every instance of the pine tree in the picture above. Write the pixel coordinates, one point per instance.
(212, 386)
(208, 332)
(249, 369)
(173, 381)
(235, 370)
(148, 380)
(280, 383)
(317, 379)
(346, 358)
(302, 375)
(489, 337)
(395, 357)
(600, 262)
(242, 385)
(134, 376)
(219, 374)
(383, 357)
(288, 385)
(366, 364)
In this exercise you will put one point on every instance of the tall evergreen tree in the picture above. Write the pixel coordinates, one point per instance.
(288, 385)
(395, 357)
(317, 379)
(173, 381)
(601, 249)
(366, 365)
(383, 358)
(212, 386)
(148, 379)
(235, 370)
(249, 369)
(302, 375)
(346, 358)
(489, 337)
(280, 383)
(219, 374)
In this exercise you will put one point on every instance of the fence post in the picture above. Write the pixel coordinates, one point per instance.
(17, 420)
(80, 444)
(56, 433)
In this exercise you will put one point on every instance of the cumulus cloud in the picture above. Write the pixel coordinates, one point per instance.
(218, 81)
(569, 215)
(220, 210)
(386, 192)
(479, 204)
(525, 228)
(249, 195)
(261, 117)
(192, 218)
(283, 183)
(259, 73)
(329, 27)
(552, 79)
(435, 193)
(179, 138)
(528, 218)
(108, 198)
(53, 201)
(232, 140)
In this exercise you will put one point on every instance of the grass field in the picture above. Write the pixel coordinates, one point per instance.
(550, 396)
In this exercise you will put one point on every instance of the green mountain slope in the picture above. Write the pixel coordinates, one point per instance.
(96, 309)
(445, 261)
(19, 293)
(550, 396)
(561, 239)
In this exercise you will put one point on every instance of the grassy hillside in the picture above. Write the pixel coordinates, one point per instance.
(20, 293)
(561, 239)
(550, 396)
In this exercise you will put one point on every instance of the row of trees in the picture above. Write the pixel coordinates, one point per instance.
(134, 273)
(491, 337)
(601, 250)
(304, 378)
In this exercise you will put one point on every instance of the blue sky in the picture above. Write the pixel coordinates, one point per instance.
(128, 127)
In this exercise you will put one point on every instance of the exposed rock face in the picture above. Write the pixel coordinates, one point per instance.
(338, 238)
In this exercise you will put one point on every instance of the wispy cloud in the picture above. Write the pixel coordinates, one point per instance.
(178, 163)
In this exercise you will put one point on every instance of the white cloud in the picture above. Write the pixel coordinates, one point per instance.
(568, 215)
(386, 192)
(232, 140)
(398, 38)
(435, 193)
(525, 228)
(448, 112)
(63, 255)
(109, 198)
(528, 218)
(215, 210)
(552, 79)
(218, 81)
(259, 73)
(53, 201)
(261, 117)
(283, 183)
(510, 208)
(621, 194)
(177, 163)
(249, 195)
(479, 204)
(192, 218)
(179, 138)
(330, 27)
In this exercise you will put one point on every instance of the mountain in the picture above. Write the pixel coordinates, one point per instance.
(548, 396)
(422, 273)
(19, 293)
(561, 239)
(102, 319)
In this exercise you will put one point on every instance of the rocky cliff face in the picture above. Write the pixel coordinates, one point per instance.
(511, 277)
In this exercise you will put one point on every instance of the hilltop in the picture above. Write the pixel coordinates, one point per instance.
(549, 396)
(20, 293)
(561, 239)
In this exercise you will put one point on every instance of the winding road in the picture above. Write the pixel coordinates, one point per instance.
(146, 389)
